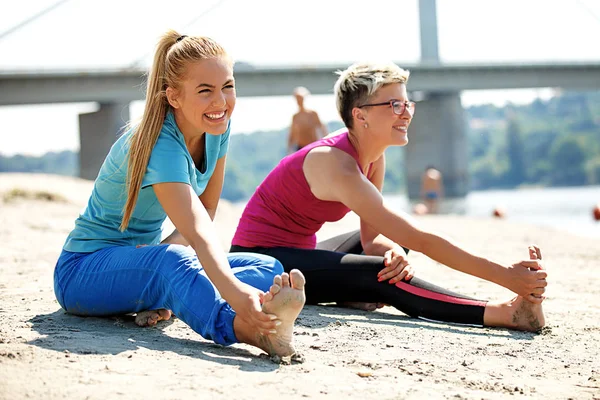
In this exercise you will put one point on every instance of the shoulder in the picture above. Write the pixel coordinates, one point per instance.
(169, 149)
(169, 138)
(331, 160)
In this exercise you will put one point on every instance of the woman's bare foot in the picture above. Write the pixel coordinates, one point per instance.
(517, 313)
(527, 316)
(151, 317)
(285, 299)
(361, 305)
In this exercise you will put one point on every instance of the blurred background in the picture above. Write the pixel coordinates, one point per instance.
(508, 92)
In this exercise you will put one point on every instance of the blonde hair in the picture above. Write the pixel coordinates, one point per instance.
(357, 83)
(173, 54)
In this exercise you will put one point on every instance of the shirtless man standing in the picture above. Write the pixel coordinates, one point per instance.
(306, 126)
(432, 189)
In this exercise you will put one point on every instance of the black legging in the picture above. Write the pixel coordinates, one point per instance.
(336, 271)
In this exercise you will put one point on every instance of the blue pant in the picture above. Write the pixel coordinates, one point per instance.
(125, 279)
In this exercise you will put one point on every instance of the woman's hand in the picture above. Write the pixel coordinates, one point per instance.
(527, 278)
(246, 302)
(397, 267)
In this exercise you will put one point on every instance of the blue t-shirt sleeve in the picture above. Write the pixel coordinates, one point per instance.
(224, 142)
(168, 163)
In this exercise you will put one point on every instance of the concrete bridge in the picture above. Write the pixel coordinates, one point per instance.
(437, 134)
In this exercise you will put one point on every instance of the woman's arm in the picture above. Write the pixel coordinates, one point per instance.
(373, 242)
(396, 266)
(334, 176)
(193, 222)
(212, 194)
(209, 198)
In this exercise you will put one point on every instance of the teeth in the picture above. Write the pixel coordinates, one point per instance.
(216, 116)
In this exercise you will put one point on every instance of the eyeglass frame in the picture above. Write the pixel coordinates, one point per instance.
(391, 104)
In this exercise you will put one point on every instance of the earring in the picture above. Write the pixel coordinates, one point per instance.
(366, 125)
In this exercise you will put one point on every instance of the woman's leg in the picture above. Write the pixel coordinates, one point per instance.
(345, 243)
(339, 277)
(126, 279)
(349, 243)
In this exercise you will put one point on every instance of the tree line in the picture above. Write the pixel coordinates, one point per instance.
(554, 142)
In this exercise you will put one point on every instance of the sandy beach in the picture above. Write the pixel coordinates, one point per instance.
(349, 354)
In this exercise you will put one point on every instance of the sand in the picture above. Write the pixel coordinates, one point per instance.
(349, 354)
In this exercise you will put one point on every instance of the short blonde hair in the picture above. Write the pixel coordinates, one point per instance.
(357, 83)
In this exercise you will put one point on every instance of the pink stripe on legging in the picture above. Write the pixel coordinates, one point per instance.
(438, 296)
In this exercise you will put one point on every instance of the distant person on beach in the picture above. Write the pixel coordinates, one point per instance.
(172, 164)
(432, 189)
(306, 126)
(368, 268)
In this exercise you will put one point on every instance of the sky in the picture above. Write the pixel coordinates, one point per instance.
(111, 34)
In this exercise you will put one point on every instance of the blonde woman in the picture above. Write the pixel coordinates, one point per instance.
(344, 171)
(172, 164)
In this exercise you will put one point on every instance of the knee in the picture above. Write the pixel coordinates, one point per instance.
(177, 255)
(270, 263)
(267, 264)
(275, 266)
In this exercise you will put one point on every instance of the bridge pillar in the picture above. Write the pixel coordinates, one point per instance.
(437, 137)
(97, 133)
(429, 32)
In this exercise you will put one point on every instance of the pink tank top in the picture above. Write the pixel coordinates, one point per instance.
(283, 212)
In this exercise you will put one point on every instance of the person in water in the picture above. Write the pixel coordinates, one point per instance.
(172, 164)
(432, 189)
(345, 171)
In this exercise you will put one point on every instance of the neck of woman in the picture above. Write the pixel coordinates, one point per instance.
(367, 149)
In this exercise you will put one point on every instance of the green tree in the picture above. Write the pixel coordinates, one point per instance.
(593, 171)
(568, 162)
(515, 175)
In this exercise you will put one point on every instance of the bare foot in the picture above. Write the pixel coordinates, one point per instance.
(151, 317)
(527, 316)
(361, 305)
(517, 313)
(285, 299)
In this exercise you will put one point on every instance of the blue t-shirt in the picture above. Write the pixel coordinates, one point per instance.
(98, 226)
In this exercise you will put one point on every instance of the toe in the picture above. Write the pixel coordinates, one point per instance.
(274, 289)
(164, 314)
(298, 280)
(285, 279)
(267, 297)
(277, 280)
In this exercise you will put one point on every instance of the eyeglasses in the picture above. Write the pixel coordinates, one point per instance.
(397, 106)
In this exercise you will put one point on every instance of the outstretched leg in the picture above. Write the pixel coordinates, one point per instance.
(339, 277)
(125, 279)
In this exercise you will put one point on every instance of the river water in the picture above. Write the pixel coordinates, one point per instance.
(568, 209)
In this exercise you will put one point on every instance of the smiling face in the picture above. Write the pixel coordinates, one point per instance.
(205, 98)
(382, 122)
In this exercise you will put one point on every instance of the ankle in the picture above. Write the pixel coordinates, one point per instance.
(500, 315)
